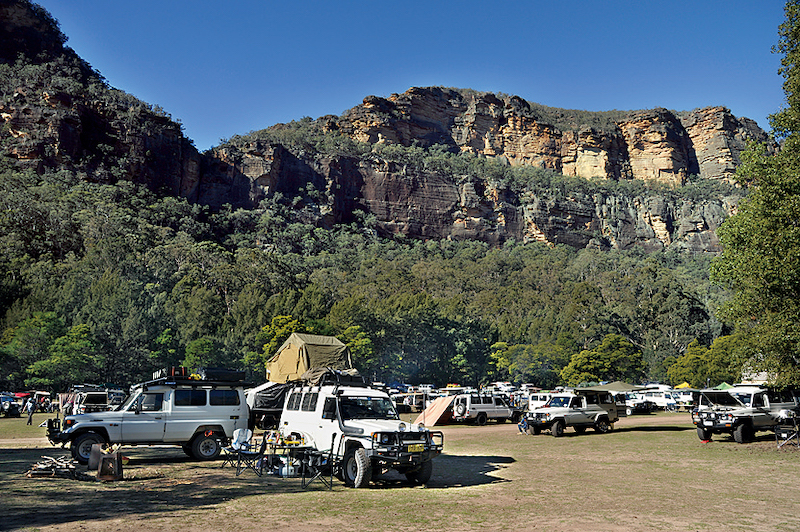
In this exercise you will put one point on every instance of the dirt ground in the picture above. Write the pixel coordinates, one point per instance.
(650, 473)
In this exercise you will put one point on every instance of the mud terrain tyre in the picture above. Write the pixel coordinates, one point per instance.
(557, 428)
(422, 475)
(602, 426)
(356, 468)
(481, 419)
(703, 434)
(205, 447)
(743, 434)
(81, 448)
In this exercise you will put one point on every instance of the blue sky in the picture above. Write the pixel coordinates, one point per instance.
(227, 68)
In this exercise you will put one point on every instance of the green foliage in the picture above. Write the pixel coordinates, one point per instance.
(614, 359)
(761, 257)
(703, 367)
(72, 359)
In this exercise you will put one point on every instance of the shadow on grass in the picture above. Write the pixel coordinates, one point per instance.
(165, 481)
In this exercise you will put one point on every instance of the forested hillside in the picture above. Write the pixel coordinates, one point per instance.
(113, 267)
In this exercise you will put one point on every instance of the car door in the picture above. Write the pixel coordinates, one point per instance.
(578, 414)
(145, 419)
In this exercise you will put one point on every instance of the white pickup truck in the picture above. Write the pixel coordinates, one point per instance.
(198, 415)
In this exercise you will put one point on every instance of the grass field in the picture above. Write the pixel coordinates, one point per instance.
(650, 473)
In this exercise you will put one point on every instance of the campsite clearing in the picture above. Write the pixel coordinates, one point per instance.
(651, 473)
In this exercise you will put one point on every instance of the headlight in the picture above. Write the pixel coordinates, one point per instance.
(385, 439)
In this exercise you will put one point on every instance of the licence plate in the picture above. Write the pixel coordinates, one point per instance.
(708, 422)
(416, 448)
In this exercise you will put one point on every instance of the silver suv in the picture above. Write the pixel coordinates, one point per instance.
(198, 415)
(481, 408)
(580, 410)
(741, 411)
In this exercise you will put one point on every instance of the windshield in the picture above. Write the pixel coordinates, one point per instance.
(745, 398)
(557, 401)
(720, 398)
(367, 408)
(128, 401)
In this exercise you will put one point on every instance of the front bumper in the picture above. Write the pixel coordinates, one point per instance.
(405, 448)
(55, 434)
(714, 421)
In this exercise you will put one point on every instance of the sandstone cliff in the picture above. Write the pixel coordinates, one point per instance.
(654, 145)
(57, 113)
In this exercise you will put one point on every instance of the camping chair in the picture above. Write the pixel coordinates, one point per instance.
(787, 431)
(318, 465)
(248, 458)
(241, 440)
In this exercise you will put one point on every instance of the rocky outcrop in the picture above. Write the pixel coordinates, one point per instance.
(654, 145)
(431, 206)
(57, 113)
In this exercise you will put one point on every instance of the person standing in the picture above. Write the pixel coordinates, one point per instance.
(30, 408)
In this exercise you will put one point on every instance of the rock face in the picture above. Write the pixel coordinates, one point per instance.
(653, 145)
(57, 113)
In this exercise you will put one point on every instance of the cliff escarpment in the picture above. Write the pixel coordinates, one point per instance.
(428, 163)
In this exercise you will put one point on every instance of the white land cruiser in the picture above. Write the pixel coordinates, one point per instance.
(361, 429)
(580, 410)
(198, 415)
(741, 411)
(480, 408)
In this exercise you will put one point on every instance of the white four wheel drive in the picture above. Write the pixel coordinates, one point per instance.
(580, 410)
(481, 408)
(742, 411)
(198, 415)
(360, 429)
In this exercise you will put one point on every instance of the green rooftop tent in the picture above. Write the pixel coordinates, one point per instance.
(302, 352)
(723, 386)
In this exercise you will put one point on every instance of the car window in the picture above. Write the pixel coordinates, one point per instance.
(223, 397)
(152, 402)
(190, 397)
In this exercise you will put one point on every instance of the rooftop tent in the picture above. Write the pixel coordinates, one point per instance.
(302, 352)
(683, 385)
(723, 386)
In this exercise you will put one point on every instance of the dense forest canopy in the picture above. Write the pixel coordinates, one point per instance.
(106, 279)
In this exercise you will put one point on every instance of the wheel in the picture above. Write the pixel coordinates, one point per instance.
(205, 447)
(460, 409)
(515, 417)
(703, 434)
(357, 469)
(580, 430)
(421, 475)
(481, 419)
(629, 411)
(557, 428)
(742, 434)
(602, 426)
(81, 448)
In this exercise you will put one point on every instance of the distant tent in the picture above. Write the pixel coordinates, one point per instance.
(723, 386)
(302, 352)
(616, 386)
(684, 384)
(439, 411)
